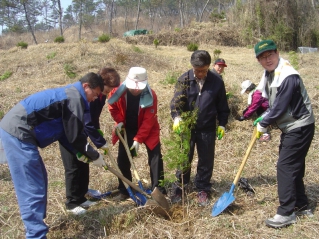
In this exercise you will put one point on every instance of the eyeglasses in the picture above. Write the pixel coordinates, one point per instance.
(265, 58)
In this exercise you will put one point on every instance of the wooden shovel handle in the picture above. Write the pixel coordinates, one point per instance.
(251, 144)
(124, 142)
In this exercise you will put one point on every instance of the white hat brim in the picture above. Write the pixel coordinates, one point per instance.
(135, 85)
(243, 91)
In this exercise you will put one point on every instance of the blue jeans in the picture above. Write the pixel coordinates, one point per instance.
(30, 181)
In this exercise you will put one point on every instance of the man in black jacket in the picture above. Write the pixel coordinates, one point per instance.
(200, 89)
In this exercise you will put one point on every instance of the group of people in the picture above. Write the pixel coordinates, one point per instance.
(71, 114)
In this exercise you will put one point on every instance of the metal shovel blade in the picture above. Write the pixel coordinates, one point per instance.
(223, 202)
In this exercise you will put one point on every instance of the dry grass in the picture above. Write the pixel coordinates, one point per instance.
(32, 72)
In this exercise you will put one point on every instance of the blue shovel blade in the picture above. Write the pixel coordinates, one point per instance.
(223, 202)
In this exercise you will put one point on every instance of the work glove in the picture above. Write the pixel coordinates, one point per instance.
(257, 121)
(134, 148)
(105, 147)
(83, 158)
(177, 125)
(99, 162)
(260, 130)
(100, 132)
(220, 132)
(119, 127)
(241, 118)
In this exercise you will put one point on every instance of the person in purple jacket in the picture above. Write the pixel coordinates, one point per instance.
(77, 172)
(256, 103)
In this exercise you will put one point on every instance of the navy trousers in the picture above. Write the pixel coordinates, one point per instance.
(293, 149)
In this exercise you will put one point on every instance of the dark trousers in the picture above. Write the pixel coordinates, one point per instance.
(205, 145)
(155, 163)
(293, 149)
(76, 178)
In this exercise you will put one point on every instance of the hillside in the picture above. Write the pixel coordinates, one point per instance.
(43, 66)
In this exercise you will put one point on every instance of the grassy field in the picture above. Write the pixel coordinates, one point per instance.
(45, 65)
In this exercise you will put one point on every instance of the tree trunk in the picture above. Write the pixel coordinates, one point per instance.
(201, 14)
(111, 17)
(180, 6)
(60, 17)
(28, 21)
(138, 13)
(80, 19)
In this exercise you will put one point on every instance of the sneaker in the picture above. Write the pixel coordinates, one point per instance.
(176, 195)
(281, 221)
(264, 138)
(306, 212)
(88, 204)
(77, 210)
(121, 197)
(202, 199)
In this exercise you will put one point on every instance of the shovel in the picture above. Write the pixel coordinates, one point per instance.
(138, 198)
(227, 198)
(156, 200)
(124, 142)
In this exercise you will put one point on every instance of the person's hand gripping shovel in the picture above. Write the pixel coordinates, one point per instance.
(131, 152)
(227, 198)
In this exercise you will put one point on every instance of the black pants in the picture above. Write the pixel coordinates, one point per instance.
(293, 149)
(155, 162)
(76, 178)
(205, 144)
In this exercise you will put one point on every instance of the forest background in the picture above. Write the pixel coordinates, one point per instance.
(227, 29)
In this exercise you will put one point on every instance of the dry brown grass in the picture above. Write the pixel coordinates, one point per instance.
(33, 72)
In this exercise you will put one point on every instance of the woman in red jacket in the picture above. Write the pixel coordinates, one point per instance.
(256, 103)
(133, 105)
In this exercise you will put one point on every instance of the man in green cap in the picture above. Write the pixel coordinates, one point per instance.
(290, 110)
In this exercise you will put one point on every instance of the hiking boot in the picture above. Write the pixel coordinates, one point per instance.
(87, 204)
(265, 137)
(77, 211)
(121, 197)
(279, 221)
(176, 195)
(203, 199)
(306, 212)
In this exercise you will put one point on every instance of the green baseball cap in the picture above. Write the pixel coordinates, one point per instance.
(264, 45)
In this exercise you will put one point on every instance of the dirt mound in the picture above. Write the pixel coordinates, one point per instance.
(226, 36)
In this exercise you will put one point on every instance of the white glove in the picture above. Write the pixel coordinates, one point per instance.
(135, 146)
(260, 130)
(176, 124)
(105, 147)
(119, 126)
(99, 162)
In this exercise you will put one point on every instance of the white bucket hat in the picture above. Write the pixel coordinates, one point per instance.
(245, 86)
(136, 78)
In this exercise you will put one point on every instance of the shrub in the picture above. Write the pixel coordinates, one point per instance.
(104, 38)
(69, 71)
(59, 39)
(192, 47)
(217, 52)
(51, 55)
(5, 75)
(136, 49)
(177, 29)
(171, 78)
(22, 45)
(156, 42)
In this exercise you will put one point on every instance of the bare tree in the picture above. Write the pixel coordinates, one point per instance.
(27, 18)
(201, 14)
(138, 13)
(181, 12)
(111, 17)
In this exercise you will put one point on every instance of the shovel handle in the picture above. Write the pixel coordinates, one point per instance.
(124, 142)
(251, 144)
